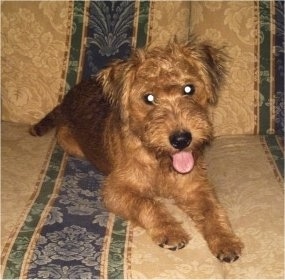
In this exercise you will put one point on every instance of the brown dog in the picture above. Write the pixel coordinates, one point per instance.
(143, 122)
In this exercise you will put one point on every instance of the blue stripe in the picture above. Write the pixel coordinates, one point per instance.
(109, 34)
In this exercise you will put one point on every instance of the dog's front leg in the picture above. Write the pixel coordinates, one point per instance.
(211, 220)
(141, 209)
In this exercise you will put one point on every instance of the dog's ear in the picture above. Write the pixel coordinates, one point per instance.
(215, 60)
(116, 81)
(112, 80)
(212, 62)
(117, 78)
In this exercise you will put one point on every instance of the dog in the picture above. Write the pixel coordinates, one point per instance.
(143, 122)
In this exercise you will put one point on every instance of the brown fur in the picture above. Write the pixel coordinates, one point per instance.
(109, 120)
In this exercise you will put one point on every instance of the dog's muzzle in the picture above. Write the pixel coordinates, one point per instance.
(182, 161)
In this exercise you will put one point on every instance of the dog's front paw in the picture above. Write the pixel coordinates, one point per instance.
(170, 238)
(227, 249)
(173, 246)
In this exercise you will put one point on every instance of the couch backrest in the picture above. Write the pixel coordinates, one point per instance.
(253, 100)
(48, 46)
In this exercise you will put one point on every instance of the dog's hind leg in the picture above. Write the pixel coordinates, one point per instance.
(47, 123)
(67, 141)
(64, 135)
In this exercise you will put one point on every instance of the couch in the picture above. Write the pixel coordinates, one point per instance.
(53, 222)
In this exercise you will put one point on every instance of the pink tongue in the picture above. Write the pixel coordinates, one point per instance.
(183, 162)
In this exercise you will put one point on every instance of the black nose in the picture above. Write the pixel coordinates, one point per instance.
(180, 140)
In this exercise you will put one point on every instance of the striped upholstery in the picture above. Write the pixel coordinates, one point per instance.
(64, 231)
(271, 66)
(97, 32)
(253, 100)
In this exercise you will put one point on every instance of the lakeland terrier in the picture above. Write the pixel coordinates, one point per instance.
(143, 122)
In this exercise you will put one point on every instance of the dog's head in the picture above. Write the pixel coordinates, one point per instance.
(162, 96)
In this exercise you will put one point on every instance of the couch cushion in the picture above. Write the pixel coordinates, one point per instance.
(57, 227)
(23, 160)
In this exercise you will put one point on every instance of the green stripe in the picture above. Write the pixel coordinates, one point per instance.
(143, 24)
(16, 256)
(265, 75)
(117, 250)
(76, 44)
(276, 152)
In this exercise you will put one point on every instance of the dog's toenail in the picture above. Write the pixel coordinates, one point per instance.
(226, 259)
(173, 248)
(235, 258)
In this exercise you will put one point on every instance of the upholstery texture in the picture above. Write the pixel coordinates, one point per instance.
(54, 225)
(63, 230)
(34, 47)
(87, 35)
(249, 103)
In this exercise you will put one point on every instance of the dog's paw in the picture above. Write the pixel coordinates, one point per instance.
(170, 238)
(227, 249)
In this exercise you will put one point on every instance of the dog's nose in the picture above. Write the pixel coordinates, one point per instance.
(180, 140)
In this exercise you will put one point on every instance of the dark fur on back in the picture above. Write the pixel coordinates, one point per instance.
(84, 110)
(101, 104)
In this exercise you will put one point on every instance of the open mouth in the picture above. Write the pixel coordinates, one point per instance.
(183, 161)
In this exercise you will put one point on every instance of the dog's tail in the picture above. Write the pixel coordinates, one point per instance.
(47, 123)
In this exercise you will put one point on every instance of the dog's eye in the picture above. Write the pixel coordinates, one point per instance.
(189, 89)
(149, 98)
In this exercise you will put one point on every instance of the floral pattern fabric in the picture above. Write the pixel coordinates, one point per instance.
(33, 57)
(109, 34)
(250, 102)
(41, 66)
(74, 242)
(55, 224)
